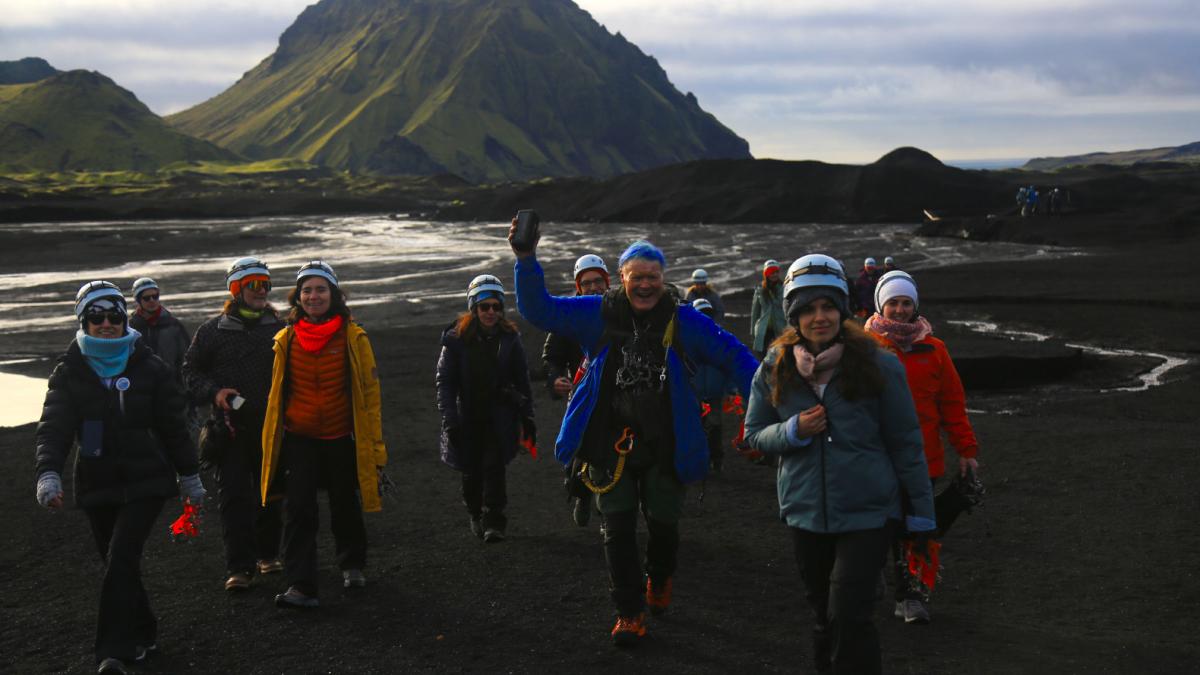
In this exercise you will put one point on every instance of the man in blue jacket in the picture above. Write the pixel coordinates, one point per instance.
(634, 418)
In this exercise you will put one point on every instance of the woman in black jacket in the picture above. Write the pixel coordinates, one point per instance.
(486, 403)
(123, 408)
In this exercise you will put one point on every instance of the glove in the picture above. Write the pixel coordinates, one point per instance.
(529, 429)
(192, 490)
(49, 486)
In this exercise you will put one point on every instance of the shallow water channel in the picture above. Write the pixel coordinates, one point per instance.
(405, 272)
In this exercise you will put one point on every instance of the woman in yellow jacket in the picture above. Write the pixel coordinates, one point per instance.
(322, 429)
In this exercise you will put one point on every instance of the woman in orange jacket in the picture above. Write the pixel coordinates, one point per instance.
(937, 392)
(322, 429)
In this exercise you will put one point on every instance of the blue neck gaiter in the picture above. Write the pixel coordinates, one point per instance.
(107, 356)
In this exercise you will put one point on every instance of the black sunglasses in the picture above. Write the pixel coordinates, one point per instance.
(97, 318)
(490, 307)
(149, 297)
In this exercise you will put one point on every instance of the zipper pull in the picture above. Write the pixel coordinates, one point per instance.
(122, 385)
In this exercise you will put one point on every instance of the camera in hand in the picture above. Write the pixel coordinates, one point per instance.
(526, 235)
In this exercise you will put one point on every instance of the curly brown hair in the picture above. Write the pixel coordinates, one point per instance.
(860, 378)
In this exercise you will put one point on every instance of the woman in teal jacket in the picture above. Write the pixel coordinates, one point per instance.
(837, 411)
(767, 321)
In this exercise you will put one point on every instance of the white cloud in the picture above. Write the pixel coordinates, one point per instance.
(843, 80)
(40, 13)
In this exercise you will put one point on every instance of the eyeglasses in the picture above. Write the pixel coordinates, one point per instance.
(592, 283)
(257, 285)
(113, 318)
(146, 297)
(490, 307)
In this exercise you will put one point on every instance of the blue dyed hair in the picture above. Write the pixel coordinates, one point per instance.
(644, 250)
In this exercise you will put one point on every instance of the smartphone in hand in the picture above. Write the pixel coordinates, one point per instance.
(526, 235)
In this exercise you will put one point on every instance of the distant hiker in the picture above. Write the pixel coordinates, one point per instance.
(835, 409)
(938, 395)
(486, 402)
(767, 321)
(889, 264)
(701, 288)
(862, 296)
(160, 330)
(322, 429)
(1055, 201)
(561, 357)
(229, 365)
(634, 418)
(1021, 197)
(1031, 201)
(563, 361)
(123, 408)
(712, 387)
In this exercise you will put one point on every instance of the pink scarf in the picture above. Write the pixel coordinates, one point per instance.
(817, 370)
(902, 333)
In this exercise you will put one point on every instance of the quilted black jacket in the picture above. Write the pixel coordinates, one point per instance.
(136, 440)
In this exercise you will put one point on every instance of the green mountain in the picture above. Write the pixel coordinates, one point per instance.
(1182, 153)
(83, 120)
(486, 89)
(26, 70)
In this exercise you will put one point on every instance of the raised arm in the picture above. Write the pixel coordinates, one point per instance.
(575, 318)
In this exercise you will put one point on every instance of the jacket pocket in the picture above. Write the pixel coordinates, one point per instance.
(91, 439)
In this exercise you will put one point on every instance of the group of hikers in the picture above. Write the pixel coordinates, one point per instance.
(1047, 201)
(851, 414)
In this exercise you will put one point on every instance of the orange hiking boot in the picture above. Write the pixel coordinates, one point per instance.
(629, 630)
(658, 596)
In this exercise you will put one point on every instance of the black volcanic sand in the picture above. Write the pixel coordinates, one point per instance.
(1083, 559)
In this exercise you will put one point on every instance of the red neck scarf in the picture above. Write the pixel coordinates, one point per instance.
(902, 333)
(314, 336)
(151, 319)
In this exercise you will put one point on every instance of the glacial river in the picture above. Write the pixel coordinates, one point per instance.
(413, 271)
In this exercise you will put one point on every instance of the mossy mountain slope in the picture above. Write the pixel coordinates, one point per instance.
(487, 89)
(81, 120)
(1189, 153)
(29, 69)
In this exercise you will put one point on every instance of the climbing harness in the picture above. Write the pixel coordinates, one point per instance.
(625, 440)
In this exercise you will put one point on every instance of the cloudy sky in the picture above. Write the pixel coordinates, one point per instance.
(835, 80)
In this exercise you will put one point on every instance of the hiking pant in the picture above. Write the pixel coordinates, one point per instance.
(839, 572)
(125, 621)
(485, 494)
(659, 495)
(249, 529)
(311, 464)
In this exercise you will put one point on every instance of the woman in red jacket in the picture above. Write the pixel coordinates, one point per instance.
(938, 394)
